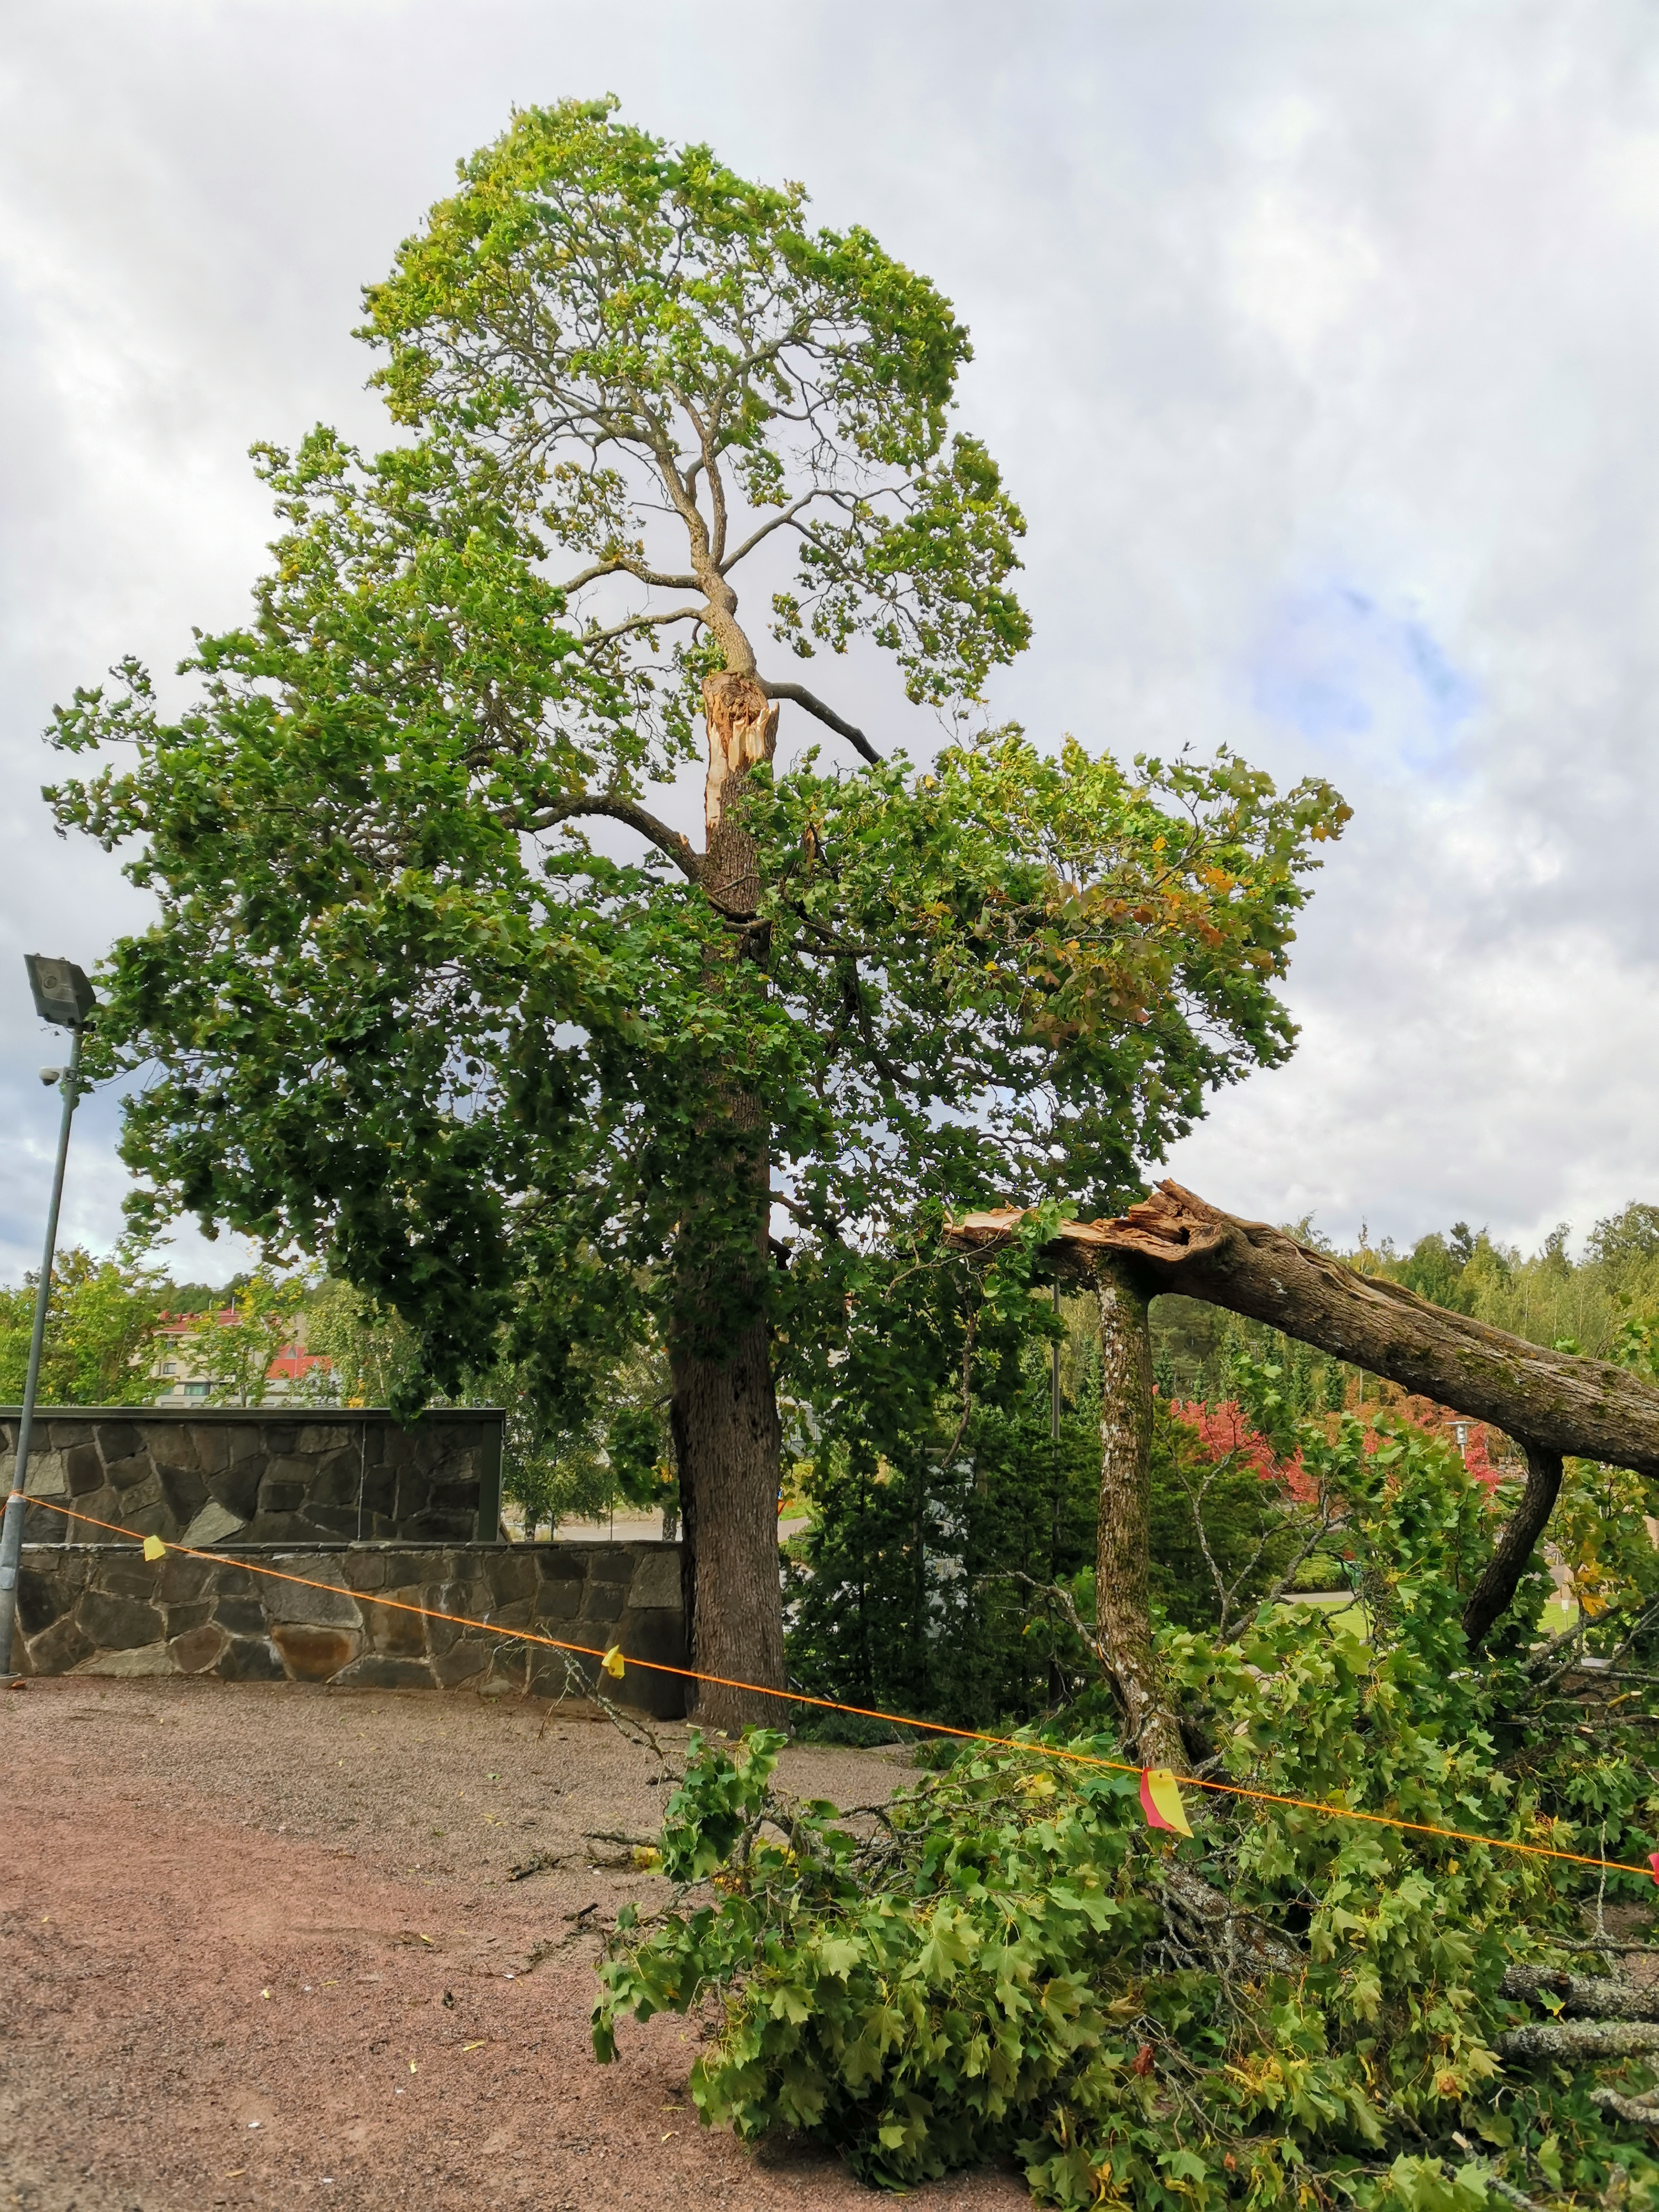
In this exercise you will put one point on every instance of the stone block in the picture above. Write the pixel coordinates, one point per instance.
(610, 1563)
(321, 1608)
(124, 1474)
(198, 1650)
(138, 1497)
(280, 1438)
(251, 1659)
(183, 1491)
(656, 1579)
(42, 1598)
(129, 1574)
(335, 1524)
(603, 1601)
(312, 1653)
(514, 1614)
(414, 1492)
(375, 1672)
(144, 1659)
(655, 1634)
(242, 1616)
(237, 1488)
(511, 1572)
(282, 1497)
(463, 1662)
(150, 1519)
(335, 1478)
(101, 1504)
(64, 1433)
(60, 1648)
(561, 1563)
(181, 1618)
(231, 1580)
(117, 1624)
(245, 1440)
(559, 1602)
(365, 1570)
(212, 1525)
(84, 1468)
(402, 1635)
(210, 1442)
(180, 1579)
(48, 1477)
(119, 1442)
(317, 1438)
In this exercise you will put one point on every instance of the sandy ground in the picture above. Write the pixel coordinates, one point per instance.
(258, 1946)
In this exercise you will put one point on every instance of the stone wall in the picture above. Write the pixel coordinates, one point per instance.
(104, 1609)
(204, 1475)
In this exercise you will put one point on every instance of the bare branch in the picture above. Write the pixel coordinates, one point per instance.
(777, 522)
(679, 849)
(621, 566)
(641, 622)
(800, 697)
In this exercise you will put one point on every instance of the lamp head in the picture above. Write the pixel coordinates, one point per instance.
(62, 994)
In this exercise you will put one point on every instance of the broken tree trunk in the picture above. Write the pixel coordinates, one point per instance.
(1553, 1403)
(728, 1435)
(1124, 1619)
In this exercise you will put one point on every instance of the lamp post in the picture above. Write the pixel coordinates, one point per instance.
(63, 997)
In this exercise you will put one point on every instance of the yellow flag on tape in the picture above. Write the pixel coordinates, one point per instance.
(155, 1548)
(612, 1661)
(1160, 1800)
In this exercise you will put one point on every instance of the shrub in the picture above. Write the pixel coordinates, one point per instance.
(1289, 2008)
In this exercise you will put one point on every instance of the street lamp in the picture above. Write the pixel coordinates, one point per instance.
(63, 997)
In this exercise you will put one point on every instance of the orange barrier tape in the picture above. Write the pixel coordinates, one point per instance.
(1650, 1871)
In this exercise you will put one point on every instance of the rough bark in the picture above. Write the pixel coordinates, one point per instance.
(1552, 1401)
(1125, 1624)
(1489, 1598)
(1571, 2040)
(727, 1435)
(728, 1439)
(1592, 1996)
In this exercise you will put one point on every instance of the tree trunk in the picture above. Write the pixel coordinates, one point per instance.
(1554, 1401)
(1152, 1731)
(1489, 1601)
(1554, 1404)
(727, 1435)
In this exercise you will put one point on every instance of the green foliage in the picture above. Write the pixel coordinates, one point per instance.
(395, 1012)
(931, 1521)
(674, 299)
(552, 1472)
(234, 1356)
(99, 1342)
(1219, 1536)
(1006, 1964)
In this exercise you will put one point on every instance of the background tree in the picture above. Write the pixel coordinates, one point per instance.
(493, 1074)
(99, 1345)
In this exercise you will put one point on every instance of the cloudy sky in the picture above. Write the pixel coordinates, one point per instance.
(1320, 342)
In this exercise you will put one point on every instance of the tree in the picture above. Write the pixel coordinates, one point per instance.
(99, 1345)
(234, 1353)
(492, 1073)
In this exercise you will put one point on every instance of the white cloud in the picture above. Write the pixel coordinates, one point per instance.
(1320, 347)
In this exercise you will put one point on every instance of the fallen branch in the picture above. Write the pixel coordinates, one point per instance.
(1554, 1400)
(1581, 2039)
(1594, 1995)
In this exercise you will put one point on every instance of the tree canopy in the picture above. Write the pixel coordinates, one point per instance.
(399, 1010)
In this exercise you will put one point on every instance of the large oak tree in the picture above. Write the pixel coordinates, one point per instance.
(398, 1010)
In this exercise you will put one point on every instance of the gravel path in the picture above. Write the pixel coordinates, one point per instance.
(258, 1946)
